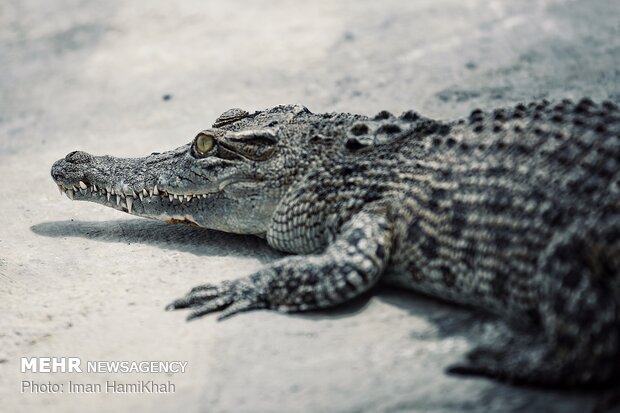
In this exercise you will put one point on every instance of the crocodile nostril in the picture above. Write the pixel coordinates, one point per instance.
(78, 157)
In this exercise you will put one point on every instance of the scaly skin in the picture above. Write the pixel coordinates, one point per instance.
(516, 211)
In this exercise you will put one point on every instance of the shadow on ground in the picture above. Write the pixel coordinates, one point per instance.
(183, 238)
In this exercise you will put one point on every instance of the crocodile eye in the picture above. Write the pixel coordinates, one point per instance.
(204, 143)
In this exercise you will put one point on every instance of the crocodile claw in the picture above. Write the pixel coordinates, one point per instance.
(481, 361)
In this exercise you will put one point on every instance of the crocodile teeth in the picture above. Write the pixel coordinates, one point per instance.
(126, 196)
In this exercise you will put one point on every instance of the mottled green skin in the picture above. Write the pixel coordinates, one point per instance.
(516, 211)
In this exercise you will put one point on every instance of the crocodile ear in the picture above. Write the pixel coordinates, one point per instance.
(254, 144)
(230, 116)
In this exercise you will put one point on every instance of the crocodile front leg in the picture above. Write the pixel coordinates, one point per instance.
(348, 267)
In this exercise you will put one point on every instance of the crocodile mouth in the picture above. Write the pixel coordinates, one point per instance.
(131, 200)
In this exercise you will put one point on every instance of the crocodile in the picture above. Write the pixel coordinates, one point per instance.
(514, 210)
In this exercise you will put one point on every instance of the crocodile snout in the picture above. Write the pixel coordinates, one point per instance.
(70, 167)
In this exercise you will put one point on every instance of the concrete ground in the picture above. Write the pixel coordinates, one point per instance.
(130, 78)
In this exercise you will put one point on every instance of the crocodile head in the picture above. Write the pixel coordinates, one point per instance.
(229, 178)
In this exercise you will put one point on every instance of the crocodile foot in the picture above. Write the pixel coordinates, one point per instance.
(229, 297)
(527, 360)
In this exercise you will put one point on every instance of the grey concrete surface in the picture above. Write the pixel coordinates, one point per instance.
(79, 280)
